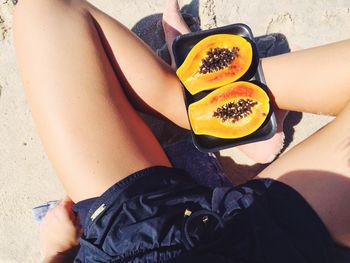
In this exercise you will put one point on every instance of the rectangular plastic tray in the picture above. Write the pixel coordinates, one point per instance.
(182, 46)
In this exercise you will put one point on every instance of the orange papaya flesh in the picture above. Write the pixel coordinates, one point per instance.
(215, 61)
(232, 111)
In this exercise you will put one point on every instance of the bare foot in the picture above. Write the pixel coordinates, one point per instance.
(267, 151)
(173, 25)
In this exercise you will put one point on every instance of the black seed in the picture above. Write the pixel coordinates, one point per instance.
(217, 59)
(234, 111)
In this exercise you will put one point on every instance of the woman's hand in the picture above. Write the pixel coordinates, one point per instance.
(60, 230)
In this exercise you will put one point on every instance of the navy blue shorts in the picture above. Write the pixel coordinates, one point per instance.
(161, 214)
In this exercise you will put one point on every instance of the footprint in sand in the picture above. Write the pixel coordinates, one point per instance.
(281, 23)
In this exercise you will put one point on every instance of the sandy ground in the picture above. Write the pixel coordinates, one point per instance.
(26, 177)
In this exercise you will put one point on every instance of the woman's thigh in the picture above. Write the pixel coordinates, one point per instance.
(92, 135)
(319, 167)
(147, 79)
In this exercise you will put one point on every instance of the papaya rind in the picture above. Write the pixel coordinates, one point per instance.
(203, 123)
(195, 82)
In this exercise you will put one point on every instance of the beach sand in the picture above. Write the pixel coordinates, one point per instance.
(26, 177)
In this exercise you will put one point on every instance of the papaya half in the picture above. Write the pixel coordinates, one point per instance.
(215, 61)
(232, 111)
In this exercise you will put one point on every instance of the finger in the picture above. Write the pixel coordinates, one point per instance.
(66, 201)
(63, 209)
(67, 204)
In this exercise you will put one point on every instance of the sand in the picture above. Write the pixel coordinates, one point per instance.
(26, 177)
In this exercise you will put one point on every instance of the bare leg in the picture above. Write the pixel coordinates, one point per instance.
(92, 135)
(312, 80)
(260, 152)
(317, 80)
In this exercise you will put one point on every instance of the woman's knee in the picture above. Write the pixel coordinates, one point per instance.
(35, 20)
(39, 11)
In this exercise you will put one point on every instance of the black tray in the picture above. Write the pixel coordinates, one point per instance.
(182, 46)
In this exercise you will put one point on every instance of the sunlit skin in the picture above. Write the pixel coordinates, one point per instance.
(96, 137)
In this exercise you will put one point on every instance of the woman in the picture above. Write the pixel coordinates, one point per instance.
(82, 71)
